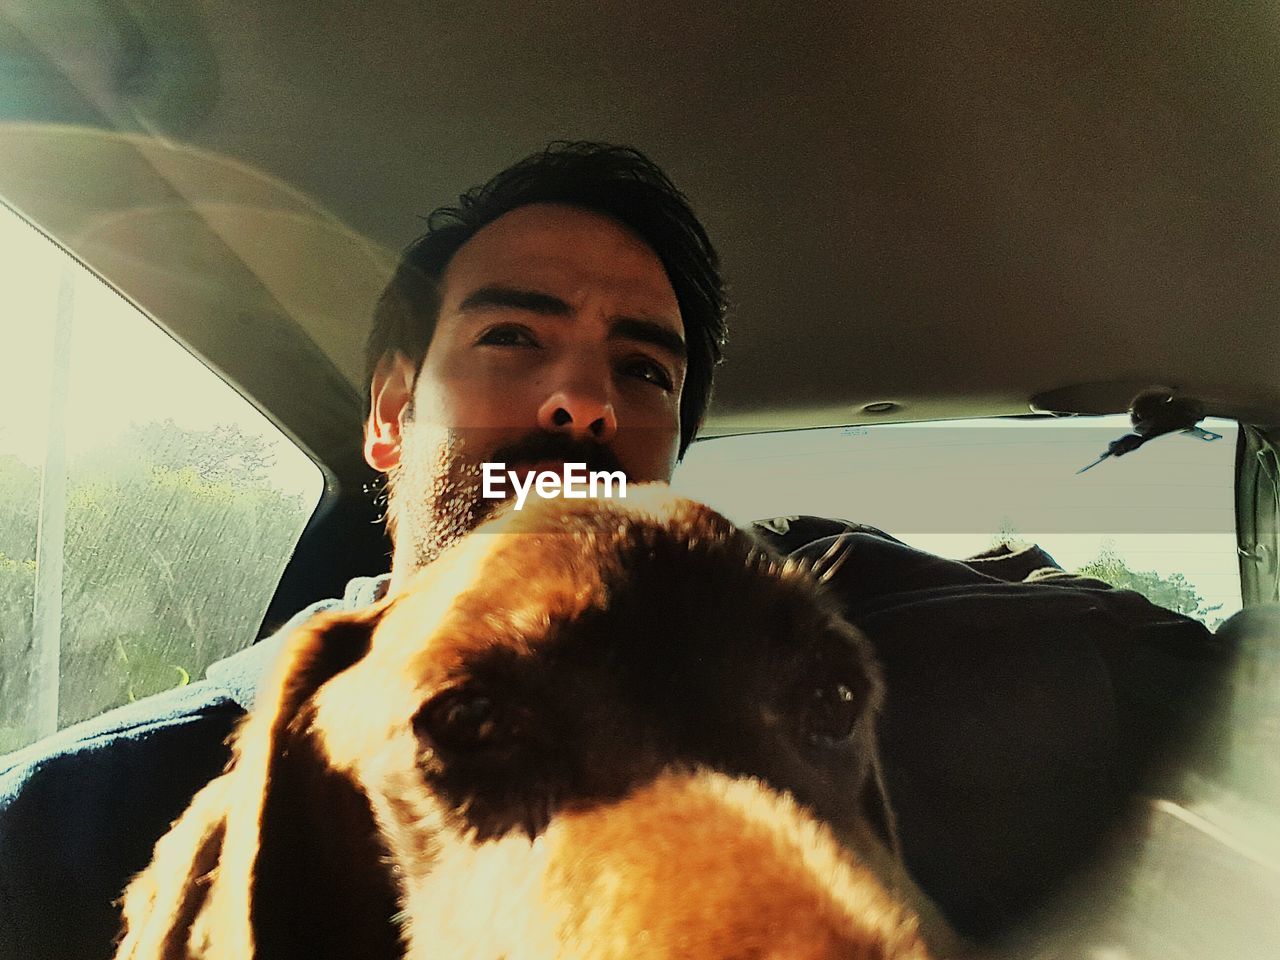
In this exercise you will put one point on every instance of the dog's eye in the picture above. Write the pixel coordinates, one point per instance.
(462, 720)
(831, 713)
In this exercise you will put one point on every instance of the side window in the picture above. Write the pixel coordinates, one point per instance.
(147, 510)
(1160, 520)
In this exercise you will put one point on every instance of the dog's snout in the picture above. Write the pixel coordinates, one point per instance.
(681, 847)
(695, 864)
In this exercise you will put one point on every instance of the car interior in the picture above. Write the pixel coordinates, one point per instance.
(1008, 217)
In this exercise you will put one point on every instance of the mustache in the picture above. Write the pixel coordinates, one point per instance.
(540, 446)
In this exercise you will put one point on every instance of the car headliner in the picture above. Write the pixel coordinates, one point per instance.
(962, 208)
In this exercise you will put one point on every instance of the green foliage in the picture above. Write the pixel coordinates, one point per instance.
(175, 540)
(223, 456)
(1173, 592)
(19, 490)
(17, 590)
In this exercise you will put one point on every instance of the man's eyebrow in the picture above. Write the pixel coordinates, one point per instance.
(510, 297)
(650, 332)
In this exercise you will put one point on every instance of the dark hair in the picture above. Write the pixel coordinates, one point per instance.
(619, 182)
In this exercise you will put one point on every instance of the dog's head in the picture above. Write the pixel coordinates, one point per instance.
(576, 734)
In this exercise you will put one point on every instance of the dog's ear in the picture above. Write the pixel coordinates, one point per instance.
(303, 858)
(161, 904)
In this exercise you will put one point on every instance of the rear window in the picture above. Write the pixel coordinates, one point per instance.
(146, 509)
(1160, 520)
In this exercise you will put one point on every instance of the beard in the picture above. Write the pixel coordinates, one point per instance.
(435, 493)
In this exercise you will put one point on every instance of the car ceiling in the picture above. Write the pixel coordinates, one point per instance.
(961, 208)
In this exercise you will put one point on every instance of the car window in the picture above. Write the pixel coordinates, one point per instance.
(146, 509)
(1160, 520)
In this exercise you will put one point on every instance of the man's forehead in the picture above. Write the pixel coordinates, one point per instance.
(565, 251)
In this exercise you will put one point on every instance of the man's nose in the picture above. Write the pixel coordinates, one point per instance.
(580, 414)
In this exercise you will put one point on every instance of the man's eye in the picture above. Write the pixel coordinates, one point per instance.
(507, 335)
(650, 372)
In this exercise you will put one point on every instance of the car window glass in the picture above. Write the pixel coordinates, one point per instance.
(1159, 520)
(146, 509)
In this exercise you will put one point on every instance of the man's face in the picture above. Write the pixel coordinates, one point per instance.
(559, 339)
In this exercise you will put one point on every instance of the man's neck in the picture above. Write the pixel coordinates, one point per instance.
(403, 566)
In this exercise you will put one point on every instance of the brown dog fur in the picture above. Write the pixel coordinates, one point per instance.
(618, 730)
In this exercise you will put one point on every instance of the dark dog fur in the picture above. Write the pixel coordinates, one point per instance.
(579, 739)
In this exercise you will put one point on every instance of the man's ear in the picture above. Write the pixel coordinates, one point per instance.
(390, 393)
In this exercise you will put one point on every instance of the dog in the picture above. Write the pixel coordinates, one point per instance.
(591, 730)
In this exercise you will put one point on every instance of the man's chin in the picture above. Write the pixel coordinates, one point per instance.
(450, 501)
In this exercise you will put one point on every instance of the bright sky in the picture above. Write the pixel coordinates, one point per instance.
(123, 368)
(947, 488)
